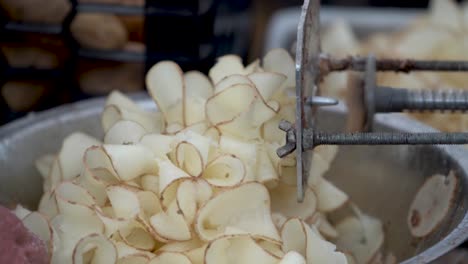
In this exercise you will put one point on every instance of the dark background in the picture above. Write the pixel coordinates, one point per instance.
(192, 33)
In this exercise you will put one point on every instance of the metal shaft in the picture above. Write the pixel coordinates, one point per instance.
(328, 64)
(313, 138)
(397, 100)
(384, 138)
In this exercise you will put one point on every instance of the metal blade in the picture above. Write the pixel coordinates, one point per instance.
(307, 74)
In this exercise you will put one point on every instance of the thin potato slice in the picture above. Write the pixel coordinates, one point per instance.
(120, 107)
(213, 133)
(149, 203)
(183, 246)
(194, 110)
(194, 249)
(225, 66)
(243, 150)
(247, 124)
(124, 250)
(70, 229)
(111, 223)
(197, 255)
(100, 165)
(254, 66)
(159, 144)
(69, 157)
(110, 115)
(319, 166)
(150, 183)
(186, 200)
(224, 171)
(232, 80)
(245, 207)
(131, 161)
(134, 259)
(320, 221)
(237, 249)
(189, 158)
(124, 201)
(170, 258)
(200, 142)
(327, 152)
(198, 89)
(278, 219)
(40, 226)
(292, 257)
(351, 259)
(279, 61)
(267, 171)
(92, 180)
(169, 174)
(294, 236)
(197, 84)
(124, 132)
(267, 83)
(119, 99)
(230, 103)
(135, 235)
(284, 201)
(363, 237)
(103, 251)
(191, 194)
(21, 212)
(150, 121)
(329, 255)
(171, 225)
(431, 204)
(272, 248)
(299, 237)
(71, 192)
(329, 197)
(44, 164)
(48, 205)
(166, 85)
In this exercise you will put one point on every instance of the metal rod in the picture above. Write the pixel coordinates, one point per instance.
(385, 138)
(389, 99)
(111, 8)
(321, 101)
(33, 27)
(328, 64)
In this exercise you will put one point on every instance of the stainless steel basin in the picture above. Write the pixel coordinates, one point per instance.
(381, 180)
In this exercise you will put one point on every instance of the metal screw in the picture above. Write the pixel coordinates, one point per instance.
(366, 99)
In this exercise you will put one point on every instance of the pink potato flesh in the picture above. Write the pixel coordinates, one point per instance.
(17, 244)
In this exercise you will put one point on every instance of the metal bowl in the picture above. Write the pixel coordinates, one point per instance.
(382, 180)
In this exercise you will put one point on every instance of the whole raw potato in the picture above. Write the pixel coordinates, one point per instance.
(99, 31)
(38, 11)
(23, 95)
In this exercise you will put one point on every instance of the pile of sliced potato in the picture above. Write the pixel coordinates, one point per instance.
(439, 35)
(197, 182)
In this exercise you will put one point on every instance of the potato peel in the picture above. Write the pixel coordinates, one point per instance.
(431, 204)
